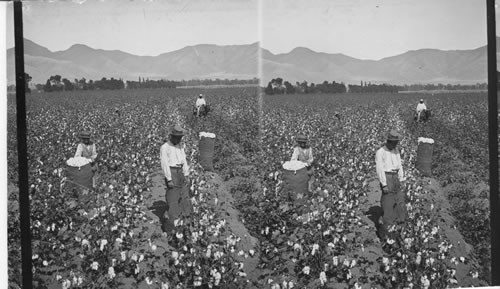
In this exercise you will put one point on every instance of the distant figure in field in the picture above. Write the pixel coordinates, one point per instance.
(303, 153)
(200, 104)
(390, 175)
(86, 148)
(421, 108)
(175, 169)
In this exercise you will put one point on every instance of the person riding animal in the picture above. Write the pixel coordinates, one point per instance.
(201, 106)
(422, 112)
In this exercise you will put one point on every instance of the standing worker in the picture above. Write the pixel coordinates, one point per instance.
(303, 152)
(175, 168)
(86, 148)
(390, 175)
(421, 108)
(200, 102)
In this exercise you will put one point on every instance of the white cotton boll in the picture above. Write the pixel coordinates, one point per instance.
(111, 272)
(322, 278)
(66, 284)
(306, 270)
(95, 266)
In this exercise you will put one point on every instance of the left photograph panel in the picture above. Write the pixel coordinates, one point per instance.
(141, 118)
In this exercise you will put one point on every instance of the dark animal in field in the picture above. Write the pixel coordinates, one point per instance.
(424, 116)
(204, 109)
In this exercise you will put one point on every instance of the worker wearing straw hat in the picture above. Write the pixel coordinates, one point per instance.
(303, 152)
(175, 168)
(390, 174)
(87, 149)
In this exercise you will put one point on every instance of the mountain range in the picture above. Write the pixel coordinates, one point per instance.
(241, 62)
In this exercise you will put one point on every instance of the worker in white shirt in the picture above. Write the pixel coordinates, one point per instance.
(390, 174)
(86, 148)
(421, 108)
(303, 152)
(175, 168)
(199, 103)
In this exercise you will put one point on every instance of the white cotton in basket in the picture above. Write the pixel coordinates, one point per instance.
(207, 134)
(425, 140)
(77, 162)
(294, 165)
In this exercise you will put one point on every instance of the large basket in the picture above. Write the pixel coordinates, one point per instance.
(206, 147)
(295, 183)
(424, 158)
(81, 177)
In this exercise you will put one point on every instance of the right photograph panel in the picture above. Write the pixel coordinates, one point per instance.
(374, 135)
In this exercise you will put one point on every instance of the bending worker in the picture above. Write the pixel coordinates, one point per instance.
(390, 174)
(175, 168)
(303, 152)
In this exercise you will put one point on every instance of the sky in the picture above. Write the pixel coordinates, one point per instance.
(140, 27)
(373, 29)
(366, 29)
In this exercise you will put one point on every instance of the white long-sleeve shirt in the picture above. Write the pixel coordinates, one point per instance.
(173, 156)
(86, 151)
(200, 102)
(387, 161)
(421, 107)
(303, 155)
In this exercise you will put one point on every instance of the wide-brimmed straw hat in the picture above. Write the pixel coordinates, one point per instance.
(177, 131)
(393, 135)
(301, 138)
(84, 134)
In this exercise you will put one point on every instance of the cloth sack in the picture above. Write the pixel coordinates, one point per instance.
(81, 176)
(206, 149)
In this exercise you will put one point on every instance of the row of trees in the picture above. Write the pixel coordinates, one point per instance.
(374, 88)
(275, 86)
(278, 86)
(147, 83)
(58, 83)
(440, 86)
(217, 81)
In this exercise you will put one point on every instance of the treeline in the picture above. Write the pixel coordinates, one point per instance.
(147, 83)
(217, 81)
(440, 86)
(278, 86)
(58, 83)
